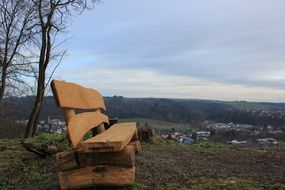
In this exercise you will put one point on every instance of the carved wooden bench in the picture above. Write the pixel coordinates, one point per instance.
(107, 159)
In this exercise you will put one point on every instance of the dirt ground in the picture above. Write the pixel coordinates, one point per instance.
(160, 167)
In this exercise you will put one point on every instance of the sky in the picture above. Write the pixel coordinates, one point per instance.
(222, 49)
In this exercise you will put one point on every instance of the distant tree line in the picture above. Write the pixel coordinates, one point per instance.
(179, 111)
(252, 117)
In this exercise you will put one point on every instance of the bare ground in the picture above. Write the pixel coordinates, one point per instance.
(160, 167)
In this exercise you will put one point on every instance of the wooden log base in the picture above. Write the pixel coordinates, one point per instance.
(110, 176)
(75, 159)
(137, 146)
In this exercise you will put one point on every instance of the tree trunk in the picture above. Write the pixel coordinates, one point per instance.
(43, 61)
(2, 89)
(2, 85)
(32, 123)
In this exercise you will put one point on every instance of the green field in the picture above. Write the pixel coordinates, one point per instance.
(248, 105)
(161, 125)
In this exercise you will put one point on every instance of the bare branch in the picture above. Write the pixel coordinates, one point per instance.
(16, 17)
(61, 57)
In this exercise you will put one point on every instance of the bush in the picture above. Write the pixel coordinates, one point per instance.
(50, 137)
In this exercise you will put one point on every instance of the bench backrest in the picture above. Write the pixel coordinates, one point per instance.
(70, 96)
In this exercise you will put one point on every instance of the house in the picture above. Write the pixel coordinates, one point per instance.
(236, 142)
(186, 140)
(267, 141)
(203, 135)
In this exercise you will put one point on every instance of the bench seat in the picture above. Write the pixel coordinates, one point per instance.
(112, 140)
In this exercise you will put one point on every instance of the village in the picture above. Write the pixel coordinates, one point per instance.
(232, 134)
(47, 126)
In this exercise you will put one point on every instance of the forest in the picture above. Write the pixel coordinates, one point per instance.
(171, 110)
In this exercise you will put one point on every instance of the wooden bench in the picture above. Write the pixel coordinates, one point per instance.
(107, 159)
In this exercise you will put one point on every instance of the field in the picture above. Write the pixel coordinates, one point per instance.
(161, 125)
(161, 165)
(241, 105)
(210, 166)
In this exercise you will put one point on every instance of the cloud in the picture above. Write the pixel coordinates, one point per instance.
(233, 45)
(147, 83)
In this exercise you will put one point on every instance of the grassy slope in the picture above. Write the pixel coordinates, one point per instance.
(20, 169)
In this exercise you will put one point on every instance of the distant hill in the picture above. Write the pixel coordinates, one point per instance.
(170, 110)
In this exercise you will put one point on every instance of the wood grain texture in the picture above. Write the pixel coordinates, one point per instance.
(67, 160)
(68, 113)
(111, 176)
(70, 95)
(136, 145)
(76, 159)
(114, 139)
(81, 123)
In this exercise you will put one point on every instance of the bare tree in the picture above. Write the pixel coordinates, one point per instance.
(16, 19)
(52, 16)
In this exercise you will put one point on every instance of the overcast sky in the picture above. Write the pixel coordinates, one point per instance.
(222, 49)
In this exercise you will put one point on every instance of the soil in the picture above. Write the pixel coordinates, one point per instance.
(158, 167)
